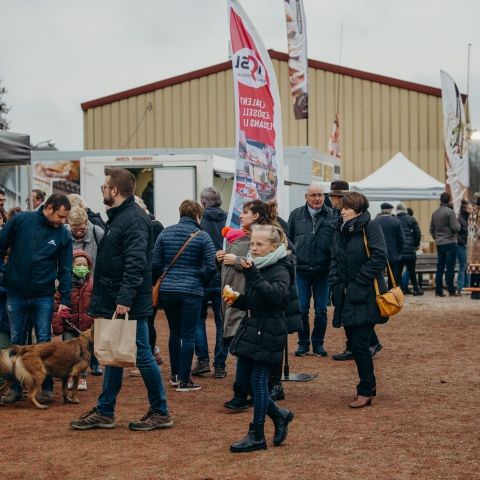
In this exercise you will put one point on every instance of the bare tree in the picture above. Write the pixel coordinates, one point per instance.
(4, 109)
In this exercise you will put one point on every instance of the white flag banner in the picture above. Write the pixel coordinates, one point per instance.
(297, 56)
(456, 140)
(258, 117)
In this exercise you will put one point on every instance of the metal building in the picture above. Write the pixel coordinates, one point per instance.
(379, 116)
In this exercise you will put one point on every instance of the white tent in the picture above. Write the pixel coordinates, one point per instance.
(399, 179)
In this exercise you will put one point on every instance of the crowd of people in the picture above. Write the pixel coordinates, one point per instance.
(62, 266)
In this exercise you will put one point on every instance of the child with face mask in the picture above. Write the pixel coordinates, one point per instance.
(77, 318)
(261, 337)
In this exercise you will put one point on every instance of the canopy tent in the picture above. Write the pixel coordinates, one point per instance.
(399, 179)
(14, 149)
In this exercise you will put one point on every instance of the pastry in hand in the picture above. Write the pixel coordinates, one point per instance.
(229, 293)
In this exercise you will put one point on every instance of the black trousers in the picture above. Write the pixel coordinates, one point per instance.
(374, 341)
(359, 338)
(397, 273)
(410, 263)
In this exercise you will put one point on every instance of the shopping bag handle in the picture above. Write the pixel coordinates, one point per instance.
(114, 316)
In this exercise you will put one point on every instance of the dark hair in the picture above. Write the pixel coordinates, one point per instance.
(356, 201)
(410, 211)
(445, 197)
(58, 200)
(211, 197)
(39, 194)
(13, 211)
(122, 179)
(190, 208)
(265, 211)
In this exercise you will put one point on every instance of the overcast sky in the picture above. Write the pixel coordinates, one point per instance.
(56, 54)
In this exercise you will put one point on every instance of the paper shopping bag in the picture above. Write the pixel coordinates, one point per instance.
(115, 341)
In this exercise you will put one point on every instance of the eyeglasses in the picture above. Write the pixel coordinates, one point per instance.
(319, 195)
(103, 187)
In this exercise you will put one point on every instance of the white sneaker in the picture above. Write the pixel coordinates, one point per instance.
(82, 384)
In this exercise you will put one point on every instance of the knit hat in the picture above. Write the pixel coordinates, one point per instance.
(339, 188)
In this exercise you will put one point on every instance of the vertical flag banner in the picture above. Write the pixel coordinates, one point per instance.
(334, 138)
(456, 140)
(258, 117)
(297, 56)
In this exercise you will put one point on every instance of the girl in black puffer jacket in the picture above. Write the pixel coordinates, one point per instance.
(262, 334)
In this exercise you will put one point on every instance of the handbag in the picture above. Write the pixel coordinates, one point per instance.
(115, 341)
(390, 302)
(158, 283)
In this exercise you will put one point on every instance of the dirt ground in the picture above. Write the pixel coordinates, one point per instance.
(424, 423)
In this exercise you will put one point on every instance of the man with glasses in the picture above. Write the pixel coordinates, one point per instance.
(311, 229)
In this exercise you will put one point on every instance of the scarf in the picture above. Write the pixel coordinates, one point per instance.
(270, 259)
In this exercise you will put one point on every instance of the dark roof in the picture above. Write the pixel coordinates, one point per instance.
(221, 67)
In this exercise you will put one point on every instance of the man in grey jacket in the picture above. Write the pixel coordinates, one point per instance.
(443, 228)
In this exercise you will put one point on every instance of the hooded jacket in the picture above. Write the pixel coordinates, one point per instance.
(411, 235)
(80, 302)
(39, 254)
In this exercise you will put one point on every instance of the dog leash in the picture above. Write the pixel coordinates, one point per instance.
(71, 325)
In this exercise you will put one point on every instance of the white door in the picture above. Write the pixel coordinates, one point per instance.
(172, 185)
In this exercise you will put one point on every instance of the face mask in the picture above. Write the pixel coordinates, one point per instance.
(80, 271)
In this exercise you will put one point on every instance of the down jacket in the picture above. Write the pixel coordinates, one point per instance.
(195, 267)
(262, 333)
(312, 239)
(123, 275)
(81, 296)
(353, 272)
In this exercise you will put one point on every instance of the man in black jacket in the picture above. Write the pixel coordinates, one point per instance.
(311, 229)
(393, 233)
(123, 284)
(40, 253)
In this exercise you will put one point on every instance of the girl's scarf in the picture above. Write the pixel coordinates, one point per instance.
(270, 259)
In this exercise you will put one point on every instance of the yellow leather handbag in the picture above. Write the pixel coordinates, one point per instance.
(390, 302)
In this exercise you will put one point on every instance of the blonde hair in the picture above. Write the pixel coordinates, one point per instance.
(77, 201)
(275, 234)
(141, 203)
(77, 216)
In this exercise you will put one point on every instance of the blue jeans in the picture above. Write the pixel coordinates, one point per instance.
(40, 310)
(318, 286)
(112, 378)
(446, 258)
(463, 277)
(183, 312)
(201, 341)
(253, 376)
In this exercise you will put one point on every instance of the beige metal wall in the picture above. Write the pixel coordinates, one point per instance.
(376, 121)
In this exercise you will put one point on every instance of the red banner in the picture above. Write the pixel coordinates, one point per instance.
(257, 107)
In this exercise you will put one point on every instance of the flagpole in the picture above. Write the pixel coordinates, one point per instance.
(338, 71)
(467, 104)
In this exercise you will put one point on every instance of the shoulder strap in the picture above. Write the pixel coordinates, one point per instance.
(390, 272)
(95, 235)
(177, 256)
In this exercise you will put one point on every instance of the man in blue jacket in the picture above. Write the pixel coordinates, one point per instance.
(40, 253)
(311, 228)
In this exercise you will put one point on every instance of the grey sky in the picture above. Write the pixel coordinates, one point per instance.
(58, 53)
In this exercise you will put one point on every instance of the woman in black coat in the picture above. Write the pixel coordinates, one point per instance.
(352, 274)
(261, 337)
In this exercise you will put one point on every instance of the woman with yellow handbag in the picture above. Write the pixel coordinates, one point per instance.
(352, 276)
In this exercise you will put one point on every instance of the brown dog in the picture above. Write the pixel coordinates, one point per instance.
(30, 364)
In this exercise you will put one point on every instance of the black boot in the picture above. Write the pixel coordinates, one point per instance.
(277, 392)
(254, 440)
(281, 418)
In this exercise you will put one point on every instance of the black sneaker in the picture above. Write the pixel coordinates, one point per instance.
(237, 404)
(188, 386)
(151, 421)
(220, 372)
(345, 355)
(11, 397)
(375, 349)
(301, 351)
(201, 368)
(319, 351)
(174, 381)
(92, 419)
(46, 396)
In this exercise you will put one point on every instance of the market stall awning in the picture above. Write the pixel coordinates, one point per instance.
(14, 149)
